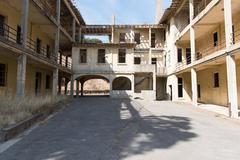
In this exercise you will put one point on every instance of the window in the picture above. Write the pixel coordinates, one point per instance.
(48, 51)
(83, 56)
(179, 51)
(199, 90)
(18, 40)
(122, 37)
(233, 33)
(188, 55)
(215, 39)
(180, 87)
(216, 80)
(101, 56)
(154, 60)
(2, 19)
(137, 38)
(122, 56)
(3, 74)
(38, 46)
(153, 40)
(137, 60)
(48, 82)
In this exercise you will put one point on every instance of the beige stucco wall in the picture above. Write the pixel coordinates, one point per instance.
(10, 88)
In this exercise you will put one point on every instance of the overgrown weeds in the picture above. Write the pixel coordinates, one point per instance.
(15, 110)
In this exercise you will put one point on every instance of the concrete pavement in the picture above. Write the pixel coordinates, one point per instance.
(110, 129)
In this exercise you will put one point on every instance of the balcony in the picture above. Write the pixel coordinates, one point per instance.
(13, 38)
(200, 6)
(48, 7)
(162, 71)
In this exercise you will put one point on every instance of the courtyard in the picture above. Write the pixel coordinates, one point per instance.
(100, 128)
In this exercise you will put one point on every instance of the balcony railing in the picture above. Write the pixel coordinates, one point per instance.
(14, 37)
(201, 6)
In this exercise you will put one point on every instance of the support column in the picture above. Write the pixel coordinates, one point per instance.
(230, 62)
(60, 86)
(55, 82)
(74, 30)
(191, 10)
(192, 32)
(232, 86)
(150, 50)
(77, 89)
(194, 86)
(72, 86)
(24, 21)
(66, 86)
(228, 22)
(82, 87)
(57, 32)
(154, 81)
(80, 34)
(133, 84)
(112, 37)
(21, 75)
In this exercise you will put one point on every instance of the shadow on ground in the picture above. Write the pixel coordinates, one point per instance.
(101, 129)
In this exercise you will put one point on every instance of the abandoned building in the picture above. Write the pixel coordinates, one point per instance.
(190, 55)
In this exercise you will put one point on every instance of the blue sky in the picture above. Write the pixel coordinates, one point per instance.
(126, 11)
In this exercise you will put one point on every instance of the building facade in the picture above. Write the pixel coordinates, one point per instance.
(190, 56)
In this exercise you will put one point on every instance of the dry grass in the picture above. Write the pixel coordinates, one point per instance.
(14, 110)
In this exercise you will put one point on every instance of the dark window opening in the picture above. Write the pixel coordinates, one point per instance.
(101, 56)
(179, 51)
(83, 56)
(2, 19)
(215, 39)
(199, 90)
(122, 37)
(137, 60)
(153, 40)
(3, 74)
(19, 30)
(233, 34)
(188, 55)
(137, 38)
(180, 87)
(154, 60)
(216, 80)
(48, 51)
(38, 46)
(48, 82)
(122, 56)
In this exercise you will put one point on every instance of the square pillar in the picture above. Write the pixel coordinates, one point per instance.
(191, 10)
(77, 88)
(55, 82)
(72, 86)
(192, 44)
(66, 85)
(194, 86)
(74, 30)
(21, 75)
(232, 86)
(228, 22)
(57, 31)
(150, 50)
(24, 21)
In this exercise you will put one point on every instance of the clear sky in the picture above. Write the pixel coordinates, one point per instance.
(125, 11)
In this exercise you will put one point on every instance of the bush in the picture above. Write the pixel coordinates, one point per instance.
(15, 110)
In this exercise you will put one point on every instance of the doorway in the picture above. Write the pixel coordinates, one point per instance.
(38, 81)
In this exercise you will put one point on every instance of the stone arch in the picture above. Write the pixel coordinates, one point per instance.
(122, 83)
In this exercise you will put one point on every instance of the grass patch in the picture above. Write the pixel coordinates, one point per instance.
(13, 111)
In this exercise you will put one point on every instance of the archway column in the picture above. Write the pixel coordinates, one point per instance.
(77, 88)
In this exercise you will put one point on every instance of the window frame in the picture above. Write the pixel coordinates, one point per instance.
(216, 80)
(122, 58)
(178, 56)
(153, 59)
(48, 82)
(122, 37)
(137, 39)
(180, 87)
(215, 39)
(137, 60)
(83, 51)
(101, 60)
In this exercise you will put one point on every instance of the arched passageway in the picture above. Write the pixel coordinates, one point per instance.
(92, 85)
(121, 83)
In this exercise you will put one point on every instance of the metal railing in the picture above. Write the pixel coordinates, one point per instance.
(200, 7)
(12, 35)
